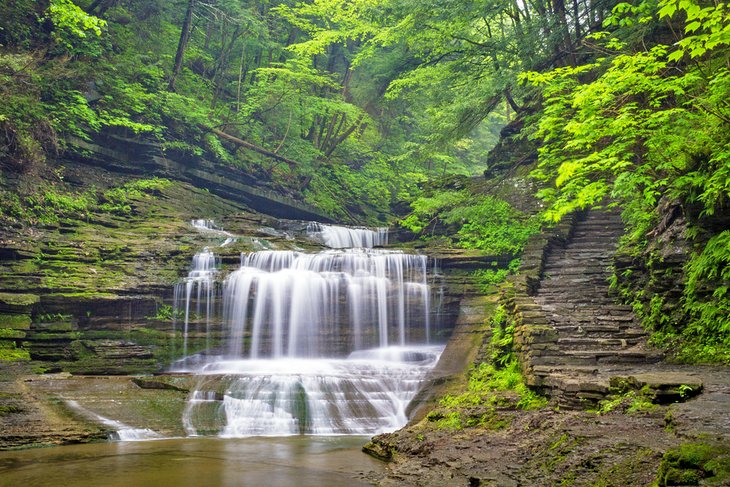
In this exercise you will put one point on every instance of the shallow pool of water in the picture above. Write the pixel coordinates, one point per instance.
(301, 461)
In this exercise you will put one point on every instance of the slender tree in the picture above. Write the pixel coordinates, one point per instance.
(182, 44)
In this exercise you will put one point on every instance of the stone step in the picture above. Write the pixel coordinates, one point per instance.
(600, 225)
(572, 289)
(567, 303)
(556, 277)
(554, 270)
(601, 356)
(580, 343)
(577, 261)
(600, 331)
(596, 358)
(578, 370)
(577, 319)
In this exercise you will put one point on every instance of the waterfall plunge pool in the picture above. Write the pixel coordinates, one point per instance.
(299, 461)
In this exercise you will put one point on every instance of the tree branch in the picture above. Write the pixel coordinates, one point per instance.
(251, 146)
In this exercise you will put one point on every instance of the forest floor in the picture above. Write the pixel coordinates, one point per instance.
(559, 447)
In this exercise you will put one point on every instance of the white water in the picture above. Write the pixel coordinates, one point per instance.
(335, 342)
(292, 304)
(366, 393)
(122, 432)
(195, 295)
(209, 227)
(338, 237)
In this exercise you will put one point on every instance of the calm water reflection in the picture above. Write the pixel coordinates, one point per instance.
(294, 461)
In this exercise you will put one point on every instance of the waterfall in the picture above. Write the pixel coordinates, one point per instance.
(293, 304)
(203, 224)
(194, 297)
(335, 342)
(338, 237)
(366, 393)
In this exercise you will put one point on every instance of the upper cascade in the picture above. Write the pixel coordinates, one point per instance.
(203, 224)
(338, 237)
(289, 302)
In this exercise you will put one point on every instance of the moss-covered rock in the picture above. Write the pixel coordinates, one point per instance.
(10, 352)
(695, 463)
(13, 301)
(15, 321)
(10, 333)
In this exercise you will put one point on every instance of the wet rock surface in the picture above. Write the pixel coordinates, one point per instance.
(558, 447)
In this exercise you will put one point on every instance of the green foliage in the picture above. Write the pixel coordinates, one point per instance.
(481, 222)
(426, 209)
(75, 31)
(488, 278)
(119, 200)
(631, 402)
(165, 312)
(708, 307)
(50, 203)
(491, 384)
(10, 353)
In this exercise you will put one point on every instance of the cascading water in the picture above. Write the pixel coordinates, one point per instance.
(338, 237)
(195, 296)
(292, 304)
(330, 343)
(209, 226)
(122, 432)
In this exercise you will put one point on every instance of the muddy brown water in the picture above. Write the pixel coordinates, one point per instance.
(301, 461)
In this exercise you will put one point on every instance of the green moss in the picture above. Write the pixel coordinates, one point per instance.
(20, 300)
(11, 333)
(61, 326)
(692, 463)
(10, 353)
(625, 471)
(15, 321)
(73, 335)
(5, 410)
(628, 400)
(90, 295)
(558, 452)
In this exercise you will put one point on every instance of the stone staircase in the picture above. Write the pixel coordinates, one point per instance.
(575, 298)
(576, 344)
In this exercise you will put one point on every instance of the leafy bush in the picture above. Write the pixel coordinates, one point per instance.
(75, 31)
(482, 222)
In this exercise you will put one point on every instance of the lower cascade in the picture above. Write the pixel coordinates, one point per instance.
(336, 342)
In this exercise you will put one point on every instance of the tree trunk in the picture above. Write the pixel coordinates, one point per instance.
(240, 79)
(184, 38)
(344, 136)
